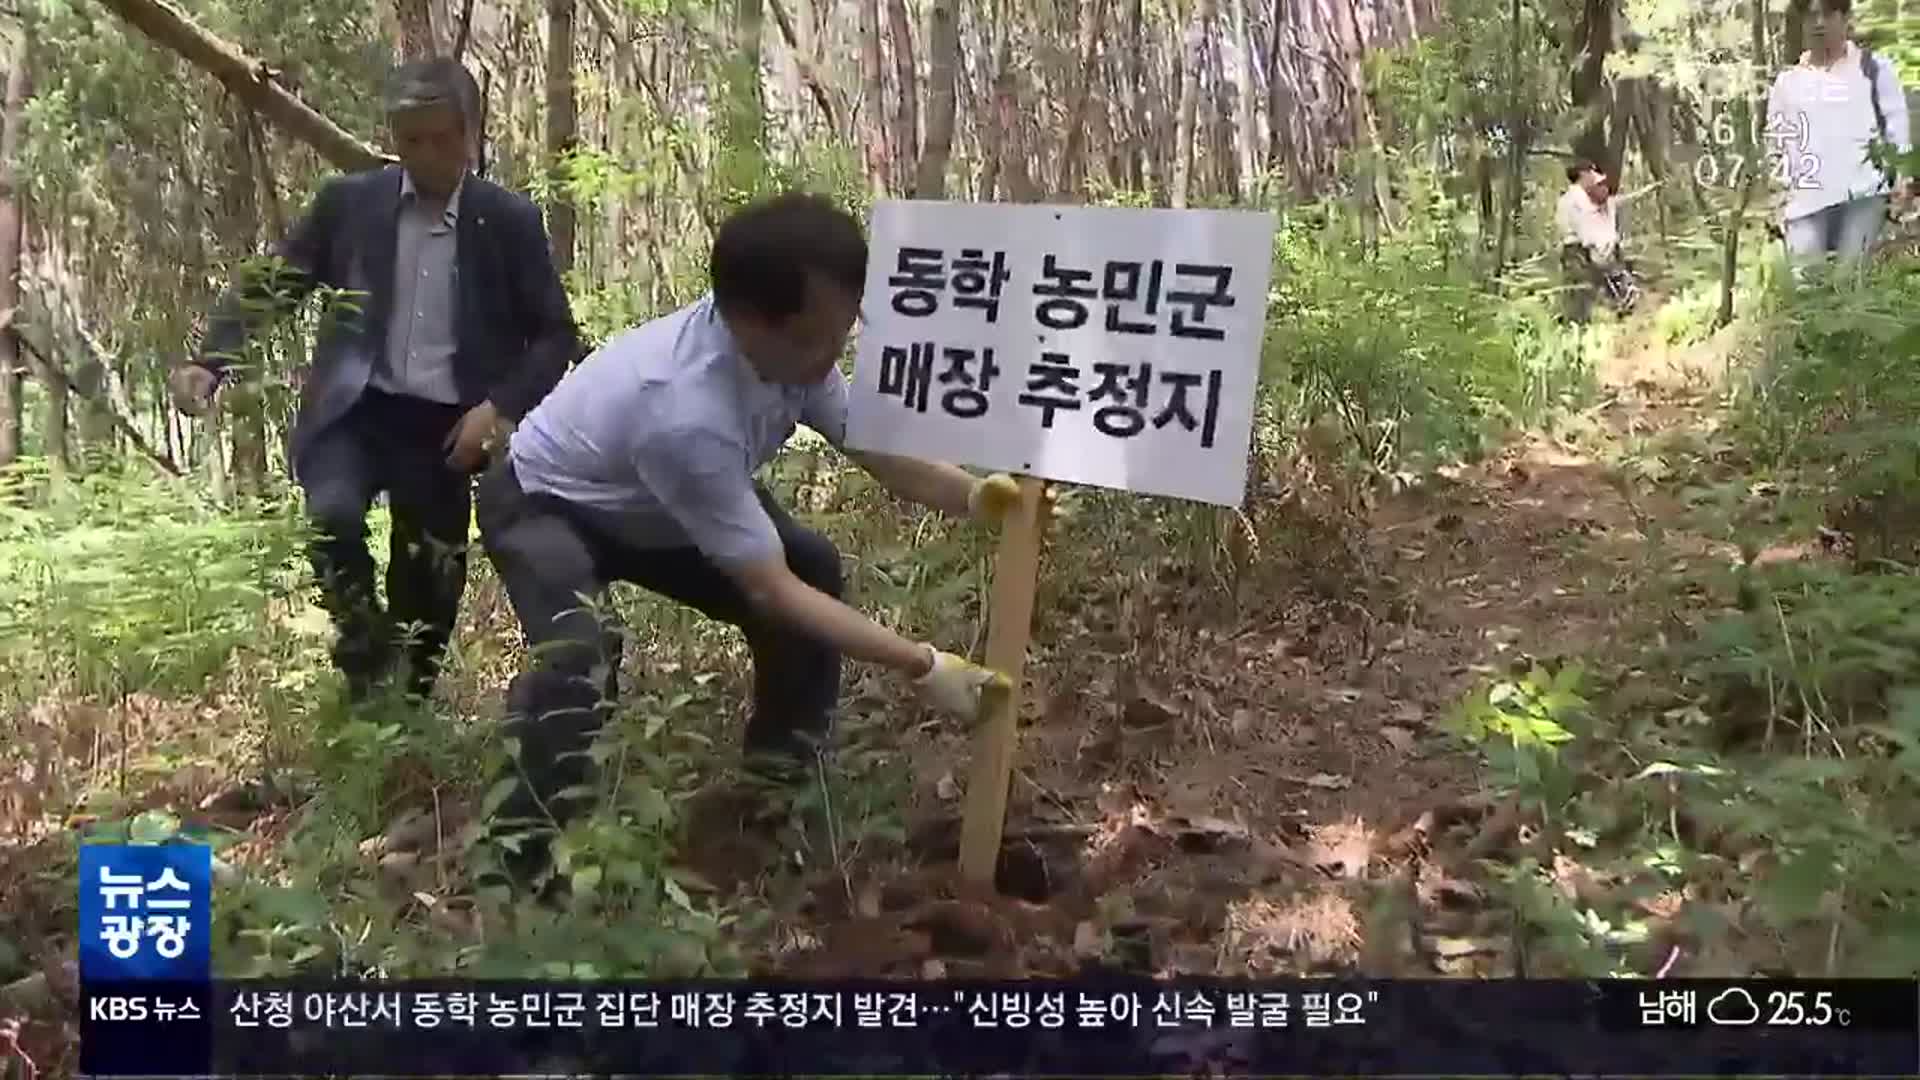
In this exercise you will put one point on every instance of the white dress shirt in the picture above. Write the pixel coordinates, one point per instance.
(659, 432)
(1594, 226)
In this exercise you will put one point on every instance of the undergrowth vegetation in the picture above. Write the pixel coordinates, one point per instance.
(1754, 759)
(1751, 761)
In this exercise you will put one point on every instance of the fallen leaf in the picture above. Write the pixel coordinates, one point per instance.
(947, 788)
(1201, 834)
(1400, 738)
(1454, 947)
(1326, 781)
(1242, 723)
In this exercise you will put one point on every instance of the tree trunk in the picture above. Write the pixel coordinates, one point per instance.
(1793, 41)
(1369, 155)
(1282, 153)
(618, 131)
(12, 232)
(252, 80)
(55, 434)
(993, 118)
(1195, 51)
(1591, 44)
(873, 103)
(810, 74)
(417, 38)
(1073, 157)
(1625, 101)
(1016, 179)
(943, 63)
(562, 124)
(906, 119)
(1136, 125)
(239, 226)
(1651, 127)
(463, 34)
(1755, 104)
(1220, 123)
(1483, 190)
(1243, 113)
(742, 153)
(1516, 140)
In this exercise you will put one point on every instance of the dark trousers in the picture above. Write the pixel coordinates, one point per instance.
(557, 561)
(1587, 278)
(389, 444)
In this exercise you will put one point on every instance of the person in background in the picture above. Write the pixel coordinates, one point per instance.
(460, 323)
(1835, 101)
(1588, 218)
(640, 468)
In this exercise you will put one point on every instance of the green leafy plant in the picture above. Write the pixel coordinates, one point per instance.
(1522, 725)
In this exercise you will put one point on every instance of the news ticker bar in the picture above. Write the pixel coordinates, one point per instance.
(1085, 1027)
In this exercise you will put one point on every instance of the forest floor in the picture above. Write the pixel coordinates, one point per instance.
(1271, 792)
(1277, 794)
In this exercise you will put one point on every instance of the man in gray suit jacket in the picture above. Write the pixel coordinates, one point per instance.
(453, 321)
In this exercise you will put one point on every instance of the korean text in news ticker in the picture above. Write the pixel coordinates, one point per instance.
(1110, 1026)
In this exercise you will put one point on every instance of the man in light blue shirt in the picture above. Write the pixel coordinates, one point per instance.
(639, 467)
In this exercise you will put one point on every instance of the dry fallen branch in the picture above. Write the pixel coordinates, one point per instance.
(249, 79)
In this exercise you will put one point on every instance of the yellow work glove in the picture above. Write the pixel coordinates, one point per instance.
(992, 498)
(953, 684)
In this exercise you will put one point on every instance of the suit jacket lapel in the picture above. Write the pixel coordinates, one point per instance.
(383, 225)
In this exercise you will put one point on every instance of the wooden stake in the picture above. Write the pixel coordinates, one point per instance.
(1016, 570)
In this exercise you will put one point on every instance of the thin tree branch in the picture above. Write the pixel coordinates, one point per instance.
(122, 423)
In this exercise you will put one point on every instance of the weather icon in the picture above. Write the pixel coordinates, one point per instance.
(1733, 1007)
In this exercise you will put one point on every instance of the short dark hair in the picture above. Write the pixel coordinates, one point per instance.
(764, 254)
(431, 82)
(1834, 7)
(1580, 168)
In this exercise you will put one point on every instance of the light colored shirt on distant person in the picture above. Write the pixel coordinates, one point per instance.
(1594, 226)
(1837, 104)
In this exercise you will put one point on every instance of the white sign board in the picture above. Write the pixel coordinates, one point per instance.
(1092, 345)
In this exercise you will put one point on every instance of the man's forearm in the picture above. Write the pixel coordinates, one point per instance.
(846, 629)
(941, 487)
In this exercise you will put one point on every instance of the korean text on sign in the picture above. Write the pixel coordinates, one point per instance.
(1093, 345)
(144, 911)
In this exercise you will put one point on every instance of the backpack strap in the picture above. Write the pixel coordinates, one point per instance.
(1870, 67)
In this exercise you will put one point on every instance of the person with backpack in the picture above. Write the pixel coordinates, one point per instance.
(1588, 218)
(1822, 115)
